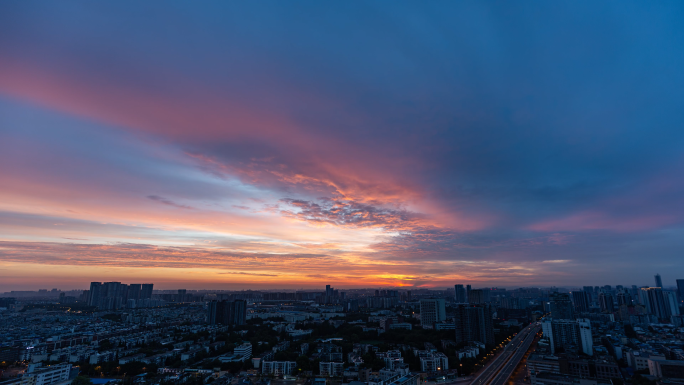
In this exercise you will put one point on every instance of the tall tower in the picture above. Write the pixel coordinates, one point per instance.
(460, 294)
(581, 301)
(658, 281)
(146, 290)
(561, 306)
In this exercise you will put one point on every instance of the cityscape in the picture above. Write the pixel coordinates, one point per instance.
(368, 192)
(132, 333)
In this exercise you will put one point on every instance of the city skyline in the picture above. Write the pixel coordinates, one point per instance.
(678, 287)
(255, 146)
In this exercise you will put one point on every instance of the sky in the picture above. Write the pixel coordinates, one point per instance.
(269, 145)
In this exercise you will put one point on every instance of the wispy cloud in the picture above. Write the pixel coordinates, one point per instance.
(168, 202)
(245, 273)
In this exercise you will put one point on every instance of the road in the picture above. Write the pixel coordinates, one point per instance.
(507, 370)
(499, 370)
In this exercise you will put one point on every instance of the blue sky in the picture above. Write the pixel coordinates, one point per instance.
(387, 143)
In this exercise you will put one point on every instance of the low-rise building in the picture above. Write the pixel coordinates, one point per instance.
(331, 369)
(661, 368)
(278, 368)
(564, 379)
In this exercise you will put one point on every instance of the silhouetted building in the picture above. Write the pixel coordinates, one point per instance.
(476, 296)
(474, 323)
(7, 302)
(114, 295)
(581, 301)
(655, 303)
(590, 291)
(606, 303)
(227, 312)
(561, 306)
(658, 281)
(460, 295)
(134, 291)
(146, 291)
(623, 298)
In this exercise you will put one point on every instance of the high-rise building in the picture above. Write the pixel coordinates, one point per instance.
(432, 311)
(590, 291)
(107, 295)
(474, 323)
(561, 306)
(112, 295)
(468, 288)
(658, 281)
(671, 302)
(146, 291)
(623, 298)
(460, 296)
(94, 293)
(227, 312)
(680, 290)
(653, 299)
(606, 303)
(476, 296)
(562, 333)
(331, 295)
(581, 301)
(134, 291)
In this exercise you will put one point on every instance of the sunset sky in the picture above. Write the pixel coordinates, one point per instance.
(265, 145)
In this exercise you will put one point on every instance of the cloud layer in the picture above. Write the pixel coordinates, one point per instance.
(416, 145)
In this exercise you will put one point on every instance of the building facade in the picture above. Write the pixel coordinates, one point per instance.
(474, 323)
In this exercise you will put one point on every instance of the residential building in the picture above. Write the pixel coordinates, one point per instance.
(460, 296)
(278, 368)
(566, 333)
(654, 301)
(581, 301)
(434, 362)
(561, 306)
(661, 368)
(36, 374)
(146, 291)
(537, 363)
(431, 311)
(476, 296)
(331, 369)
(564, 379)
(606, 303)
(227, 312)
(474, 323)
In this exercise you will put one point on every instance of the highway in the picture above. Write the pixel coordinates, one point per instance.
(499, 370)
(507, 370)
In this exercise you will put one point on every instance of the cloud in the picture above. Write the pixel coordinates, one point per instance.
(252, 274)
(404, 154)
(347, 213)
(168, 202)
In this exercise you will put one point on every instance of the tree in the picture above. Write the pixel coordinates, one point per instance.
(81, 380)
(303, 363)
